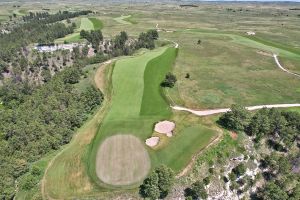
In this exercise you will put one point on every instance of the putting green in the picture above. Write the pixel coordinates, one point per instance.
(122, 160)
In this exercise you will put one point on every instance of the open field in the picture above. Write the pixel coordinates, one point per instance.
(122, 160)
(220, 66)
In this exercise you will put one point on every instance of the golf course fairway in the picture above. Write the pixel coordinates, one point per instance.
(137, 104)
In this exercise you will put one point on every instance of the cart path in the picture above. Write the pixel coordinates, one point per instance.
(282, 68)
(223, 110)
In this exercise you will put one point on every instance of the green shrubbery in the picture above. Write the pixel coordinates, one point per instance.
(158, 183)
(169, 81)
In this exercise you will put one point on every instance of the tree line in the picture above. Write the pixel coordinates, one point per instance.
(34, 122)
(43, 28)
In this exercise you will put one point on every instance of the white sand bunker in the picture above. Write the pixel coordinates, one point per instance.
(165, 127)
(153, 141)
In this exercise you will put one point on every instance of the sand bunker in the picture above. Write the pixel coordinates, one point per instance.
(153, 141)
(165, 127)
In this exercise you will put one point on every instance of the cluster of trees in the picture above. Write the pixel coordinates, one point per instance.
(119, 45)
(42, 28)
(146, 40)
(94, 37)
(36, 121)
(279, 128)
(282, 183)
(33, 32)
(158, 183)
(280, 131)
(169, 80)
(45, 17)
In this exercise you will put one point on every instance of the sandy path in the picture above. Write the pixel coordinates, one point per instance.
(282, 68)
(176, 45)
(223, 110)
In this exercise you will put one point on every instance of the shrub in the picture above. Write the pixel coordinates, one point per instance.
(169, 81)
(158, 183)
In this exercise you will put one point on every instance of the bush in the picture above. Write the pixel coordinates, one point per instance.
(169, 81)
(236, 119)
(198, 190)
(28, 182)
(158, 184)
(239, 170)
(206, 180)
(35, 171)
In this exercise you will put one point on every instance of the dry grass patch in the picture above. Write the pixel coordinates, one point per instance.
(122, 160)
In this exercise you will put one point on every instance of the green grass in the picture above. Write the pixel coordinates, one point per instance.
(178, 153)
(98, 24)
(122, 19)
(130, 19)
(85, 24)
(152, 103)
(137, 103)
(227, 69)
(275, 44)
(35, 191)
(20, 12)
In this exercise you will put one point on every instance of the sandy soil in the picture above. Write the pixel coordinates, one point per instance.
(165, 127)
(152, 142)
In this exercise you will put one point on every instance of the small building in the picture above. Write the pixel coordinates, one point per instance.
(55, 47)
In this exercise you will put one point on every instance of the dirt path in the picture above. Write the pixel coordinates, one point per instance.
(223, 110)
(282, 68)
(77, 137)
(176, 45)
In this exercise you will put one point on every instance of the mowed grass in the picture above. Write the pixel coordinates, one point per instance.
(122, 19)
(226, 69)
(152, 103)
(85, 24)
(137, 104)
(180, 149)
(122, 160)
(97, 23)
(124, 114)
